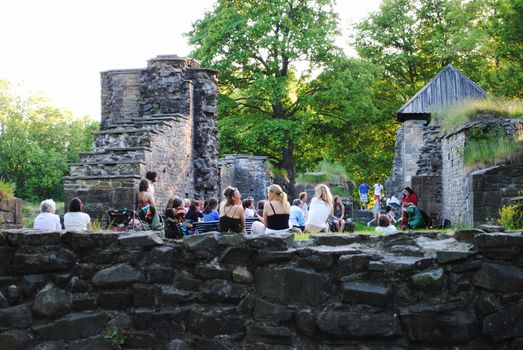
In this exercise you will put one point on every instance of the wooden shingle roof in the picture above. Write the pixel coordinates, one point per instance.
(448, 86)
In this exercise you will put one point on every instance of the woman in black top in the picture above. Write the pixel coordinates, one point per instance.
(232, 217)
(338, 214)
(276, 211)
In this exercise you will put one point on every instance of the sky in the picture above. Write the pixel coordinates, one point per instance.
(59, 47)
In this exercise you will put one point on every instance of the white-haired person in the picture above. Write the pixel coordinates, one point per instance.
(320, 209)
(47, 220)
(276, 211)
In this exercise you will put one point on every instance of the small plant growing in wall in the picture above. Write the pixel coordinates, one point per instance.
(114, 337)
(511, 216)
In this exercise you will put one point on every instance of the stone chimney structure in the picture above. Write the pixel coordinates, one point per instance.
(161, 118)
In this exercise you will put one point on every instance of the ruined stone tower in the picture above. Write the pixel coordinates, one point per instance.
(161, 118)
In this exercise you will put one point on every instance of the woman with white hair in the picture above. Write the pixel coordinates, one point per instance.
(47, 220)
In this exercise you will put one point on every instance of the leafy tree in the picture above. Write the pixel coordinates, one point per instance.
(37, 141)
(266, 52)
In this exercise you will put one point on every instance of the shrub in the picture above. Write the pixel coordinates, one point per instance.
(511, 216)
(6, 190)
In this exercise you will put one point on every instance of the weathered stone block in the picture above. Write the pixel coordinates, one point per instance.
(317, 262)
(238, 256)
(430, 280)
(439, 324)
(16, 317)
(335, 239)
(117, 276)
(352, 325)
(241, 274)
(264, 310)
(15, 340)
(73, 326)
(506, 323)
(271, 242)
(173, 296)
(52, 302)
(31, 237)
(499, 278)
(215, 322)
(269, 334)
(366, 293)
(353, 263)
(36, 259)
(290, 285)
(203, 241)
(140, 239)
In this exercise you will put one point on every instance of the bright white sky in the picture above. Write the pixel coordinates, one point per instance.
(59, 47)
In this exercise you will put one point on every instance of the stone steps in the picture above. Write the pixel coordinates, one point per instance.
(133, 167)
(115, 154)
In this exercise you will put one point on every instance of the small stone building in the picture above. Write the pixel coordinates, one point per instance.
(433, 165)
(160, 118)
(248, 173)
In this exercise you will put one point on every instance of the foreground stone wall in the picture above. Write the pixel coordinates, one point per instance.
(400, 291)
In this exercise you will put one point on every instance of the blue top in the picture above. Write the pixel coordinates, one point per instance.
(212, 216)
(296, 216)
(364, 188)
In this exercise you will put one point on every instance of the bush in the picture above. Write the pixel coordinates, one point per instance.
(6, 190)
(490, 148)
(511, 216)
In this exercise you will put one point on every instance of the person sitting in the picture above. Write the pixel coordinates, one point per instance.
(248, 208)
(232, 217)
(47, 220)
(261, 205)
(296, 217)
(409, 197)
(384, 225)
(319, 210)
(276, 211)
(304, 207)
(193, 215)
(75, 219)
(210, 213)
(415, 218)
(338, 214)
(145, 198)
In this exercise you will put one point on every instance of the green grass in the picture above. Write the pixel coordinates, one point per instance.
(491, 150)
(459, 114)
(31, 210)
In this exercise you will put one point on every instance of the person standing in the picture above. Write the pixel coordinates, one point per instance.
(151, 177)
(363, 190)
(378, 191)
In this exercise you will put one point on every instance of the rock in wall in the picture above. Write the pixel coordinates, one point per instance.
(402, 291)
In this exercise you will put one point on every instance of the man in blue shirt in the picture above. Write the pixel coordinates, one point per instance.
(364, 194)
(296, 218)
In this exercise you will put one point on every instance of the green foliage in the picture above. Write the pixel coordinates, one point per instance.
(414, 40)
(457, 115)
(490, 148)
(37, 141)
(6, 190)
(114, 337)
(96, 225)
(511, 216)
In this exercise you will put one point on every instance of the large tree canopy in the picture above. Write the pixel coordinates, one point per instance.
(268, 53)
(37, 141)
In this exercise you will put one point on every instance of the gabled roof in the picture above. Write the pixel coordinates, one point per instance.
(448, 86)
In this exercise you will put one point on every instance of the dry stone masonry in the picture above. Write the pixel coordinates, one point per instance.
(161, 118)
(72, 290)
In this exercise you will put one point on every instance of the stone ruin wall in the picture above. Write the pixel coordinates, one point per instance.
(474, 197)
(407, 153)
(161, 118)
(248, 173)
(400, 291)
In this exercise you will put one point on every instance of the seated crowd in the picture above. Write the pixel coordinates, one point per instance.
(273, 215)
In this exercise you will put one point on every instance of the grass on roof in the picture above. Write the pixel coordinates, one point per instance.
(457, 115)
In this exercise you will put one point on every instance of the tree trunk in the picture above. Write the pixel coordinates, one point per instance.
(289, 164)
